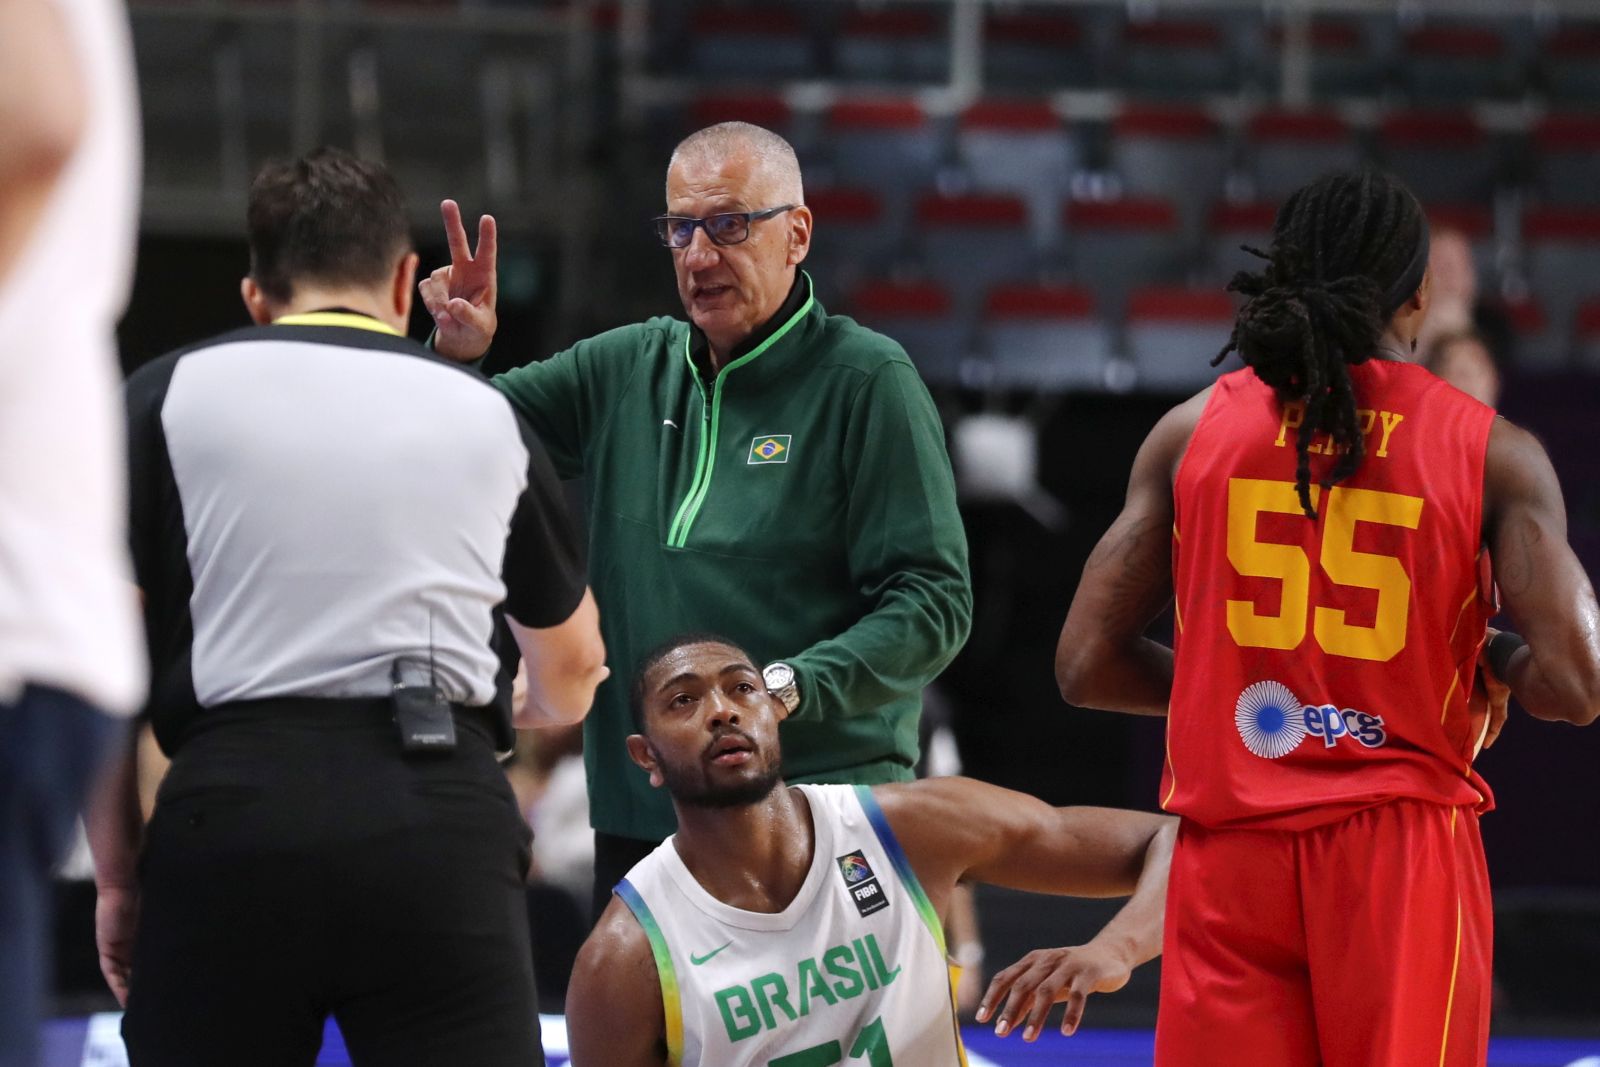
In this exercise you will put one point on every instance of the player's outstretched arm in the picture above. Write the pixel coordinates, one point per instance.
(1557, 675)
(1103, 659)
(958, 828)
(614, 1012)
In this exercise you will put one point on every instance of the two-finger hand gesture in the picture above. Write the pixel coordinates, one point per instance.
(1046, 977)
(461, 297)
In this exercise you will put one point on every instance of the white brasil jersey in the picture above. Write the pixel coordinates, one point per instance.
(852, 972)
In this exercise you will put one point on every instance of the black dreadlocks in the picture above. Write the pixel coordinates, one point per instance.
(1347, 251)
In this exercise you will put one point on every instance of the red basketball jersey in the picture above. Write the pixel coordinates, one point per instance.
(1326, 666)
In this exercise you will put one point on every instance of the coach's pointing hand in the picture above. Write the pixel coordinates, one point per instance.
(1047, 976)
(461, 297)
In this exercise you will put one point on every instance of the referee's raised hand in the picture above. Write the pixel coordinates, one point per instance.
(461, 297)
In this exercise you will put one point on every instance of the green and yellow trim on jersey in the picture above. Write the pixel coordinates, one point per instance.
(925, 909)
(671, 1000)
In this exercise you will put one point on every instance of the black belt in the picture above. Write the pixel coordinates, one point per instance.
(332, 713)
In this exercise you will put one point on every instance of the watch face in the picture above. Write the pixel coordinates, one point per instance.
(778, 676)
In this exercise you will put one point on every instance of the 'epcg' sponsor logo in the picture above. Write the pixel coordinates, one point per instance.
(1272, 722)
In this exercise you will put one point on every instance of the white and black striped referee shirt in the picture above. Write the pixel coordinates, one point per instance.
(315, 500)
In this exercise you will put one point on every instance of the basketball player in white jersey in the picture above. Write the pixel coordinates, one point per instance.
(798, 926)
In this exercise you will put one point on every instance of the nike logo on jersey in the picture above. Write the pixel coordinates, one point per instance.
(698, 960)
(669, 422)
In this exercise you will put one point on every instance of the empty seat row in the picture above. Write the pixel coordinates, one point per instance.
(1047, 46)
(970, 242)
(1025, 146)
(1054, 338)
(1044, 338)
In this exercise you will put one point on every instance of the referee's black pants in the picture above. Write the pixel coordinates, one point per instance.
(299, 865)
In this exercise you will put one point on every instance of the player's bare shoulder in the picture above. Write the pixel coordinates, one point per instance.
(1169, 439)
(614, 1010)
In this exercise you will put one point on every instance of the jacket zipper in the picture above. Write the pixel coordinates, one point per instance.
(706, 460)
(702, 471)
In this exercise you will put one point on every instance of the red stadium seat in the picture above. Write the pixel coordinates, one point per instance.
(1455, 63)
(1173, 152)
(1116, 245)
(1045, 338)
(1568, 163)
(1343, 62)
(1290, 148)
(1569, 61)
(855, 239)
(899, 43)
(1018, 147)
(1586, 335)
(1562, 248)
(759, 41)
(1174, 333)
(921, 316)
(1034, 49)
(887, 144)
(974, 241)
(763, 109)
(1175, 57)
(1538, 346)
(1442, 155)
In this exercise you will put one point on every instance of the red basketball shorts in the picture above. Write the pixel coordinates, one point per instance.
(1364, 943)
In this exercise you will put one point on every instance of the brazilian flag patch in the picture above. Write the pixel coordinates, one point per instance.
(771, 448)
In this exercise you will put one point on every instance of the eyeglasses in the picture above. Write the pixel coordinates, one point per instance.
(729, 228)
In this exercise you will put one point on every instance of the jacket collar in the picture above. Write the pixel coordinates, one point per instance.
(768, 350)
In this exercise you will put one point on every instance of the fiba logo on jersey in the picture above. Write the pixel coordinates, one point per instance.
(1272, 722)
(865, 890)
(854, 868)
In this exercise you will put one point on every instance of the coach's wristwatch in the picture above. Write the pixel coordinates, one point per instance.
(782, 684)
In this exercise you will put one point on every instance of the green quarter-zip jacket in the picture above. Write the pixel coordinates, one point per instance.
(799, 503)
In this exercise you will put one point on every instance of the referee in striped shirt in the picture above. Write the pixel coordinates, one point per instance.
(329, 524)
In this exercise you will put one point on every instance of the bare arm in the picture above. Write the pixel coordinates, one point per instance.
(43, 110)
(1103, 659)
(1557, 676)
(114, 825)
(958, 828)
(614, 1013)
(566, 663)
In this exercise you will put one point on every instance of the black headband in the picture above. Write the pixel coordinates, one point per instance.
(1410, 279)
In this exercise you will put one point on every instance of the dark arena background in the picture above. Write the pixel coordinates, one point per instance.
(1043, 203)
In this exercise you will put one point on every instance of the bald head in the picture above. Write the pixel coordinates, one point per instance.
(774, 168)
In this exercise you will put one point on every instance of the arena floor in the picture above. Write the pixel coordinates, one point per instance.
(94, 1042)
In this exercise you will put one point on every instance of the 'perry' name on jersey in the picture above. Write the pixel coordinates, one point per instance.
(854, 968)
(1384, 421)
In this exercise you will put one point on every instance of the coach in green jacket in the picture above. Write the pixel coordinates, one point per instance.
(765, 470)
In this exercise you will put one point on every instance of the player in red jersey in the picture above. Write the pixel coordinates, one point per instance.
(1318, 521)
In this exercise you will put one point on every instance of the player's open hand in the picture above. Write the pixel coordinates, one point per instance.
(461, 297)
(1497, 692)
(1046, 977)
(116, 915)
